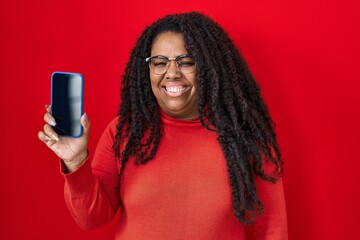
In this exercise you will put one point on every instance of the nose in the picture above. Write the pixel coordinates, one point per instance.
(173, 71)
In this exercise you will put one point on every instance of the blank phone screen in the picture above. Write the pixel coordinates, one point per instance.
(67, 103)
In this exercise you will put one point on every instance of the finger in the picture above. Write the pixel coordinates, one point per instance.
(48, 107)
(49, 119)
(49, 131)
(43, 137)
(85, 123)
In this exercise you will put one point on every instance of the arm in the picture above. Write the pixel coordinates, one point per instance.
(90, 190)
(273, 223)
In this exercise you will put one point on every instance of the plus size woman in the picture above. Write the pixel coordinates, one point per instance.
(192, 153)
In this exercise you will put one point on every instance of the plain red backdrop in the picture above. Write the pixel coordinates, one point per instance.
(305, 55)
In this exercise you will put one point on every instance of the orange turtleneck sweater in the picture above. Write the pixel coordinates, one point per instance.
(183, 193)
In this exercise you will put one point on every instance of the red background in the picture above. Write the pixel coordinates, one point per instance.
(305, 55)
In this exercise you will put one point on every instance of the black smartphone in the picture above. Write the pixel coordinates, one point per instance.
(67, 98)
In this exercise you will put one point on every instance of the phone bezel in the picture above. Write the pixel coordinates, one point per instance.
(81, 98)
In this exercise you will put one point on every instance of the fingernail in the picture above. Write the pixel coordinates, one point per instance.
(86, 117)
(52, 122)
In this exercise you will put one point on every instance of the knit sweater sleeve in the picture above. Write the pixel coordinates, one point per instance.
(272, 224)
(90, 191)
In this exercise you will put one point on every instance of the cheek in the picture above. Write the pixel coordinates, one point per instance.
(154, 82)
(193, 81)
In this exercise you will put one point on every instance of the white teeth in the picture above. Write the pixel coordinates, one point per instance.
(175, 89)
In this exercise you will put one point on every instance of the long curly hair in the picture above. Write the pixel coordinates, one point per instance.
(229, 103)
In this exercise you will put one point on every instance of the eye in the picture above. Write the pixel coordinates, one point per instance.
(186, 62)
(158, 62)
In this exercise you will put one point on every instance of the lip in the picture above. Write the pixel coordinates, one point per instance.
(175, 89)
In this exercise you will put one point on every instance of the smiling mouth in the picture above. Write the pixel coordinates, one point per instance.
(175, 91)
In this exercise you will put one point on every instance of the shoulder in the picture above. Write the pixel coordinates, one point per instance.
(113, 123)
(110, 130)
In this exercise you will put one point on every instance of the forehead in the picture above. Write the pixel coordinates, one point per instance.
(168, 44)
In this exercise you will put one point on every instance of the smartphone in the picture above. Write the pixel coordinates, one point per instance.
(67, 98)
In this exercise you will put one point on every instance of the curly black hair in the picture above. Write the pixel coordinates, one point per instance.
(229, 103)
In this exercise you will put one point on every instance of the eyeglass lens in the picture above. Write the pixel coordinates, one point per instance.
(160, 64)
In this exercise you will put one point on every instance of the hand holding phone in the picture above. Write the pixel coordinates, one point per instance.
(67, 94)
(65, 118)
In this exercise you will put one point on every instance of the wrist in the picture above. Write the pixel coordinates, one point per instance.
(76, 162)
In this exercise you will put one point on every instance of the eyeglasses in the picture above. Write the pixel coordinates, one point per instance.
(160, 64)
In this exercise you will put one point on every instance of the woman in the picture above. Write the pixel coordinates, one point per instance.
(192, 153)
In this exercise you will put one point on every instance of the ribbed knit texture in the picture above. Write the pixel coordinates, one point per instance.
(183, 193)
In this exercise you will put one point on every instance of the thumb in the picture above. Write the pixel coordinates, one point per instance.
(85, 123)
